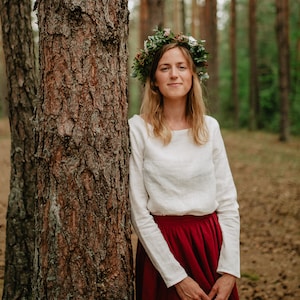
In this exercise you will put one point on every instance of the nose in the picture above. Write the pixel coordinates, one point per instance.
(173, 72)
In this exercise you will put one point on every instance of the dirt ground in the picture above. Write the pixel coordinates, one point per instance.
(267, 175)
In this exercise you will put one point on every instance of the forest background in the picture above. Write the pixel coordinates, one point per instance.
(266, 70)
(180, 16)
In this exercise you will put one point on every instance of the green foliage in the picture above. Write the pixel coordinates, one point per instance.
(267, 59)
(134, 85)
(134, 96)
(295, 66)
(267, 67)
(252, 276)
(161, 37)
(226, 113)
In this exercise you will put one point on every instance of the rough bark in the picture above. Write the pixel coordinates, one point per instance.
(22, 86)
(3, 82)
(282, 31)
(253, 82)
(83, 247)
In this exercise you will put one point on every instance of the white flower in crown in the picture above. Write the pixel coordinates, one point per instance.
(192, 41)
(205, 76)
(167, 31)
(144, 58)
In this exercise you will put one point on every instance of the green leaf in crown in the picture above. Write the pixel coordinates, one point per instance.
(144, 58)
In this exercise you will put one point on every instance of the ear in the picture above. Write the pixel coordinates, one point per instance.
(154, 86)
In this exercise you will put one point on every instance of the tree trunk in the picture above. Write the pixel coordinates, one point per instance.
(144, 16)
(183, 17)
(195, 19)
(295, 81)
(3, 82)
(151, 16)
(176, 16)
(22, 89)
(282, 31)
(209, 32)
(233, 58)
(254, 95)
(83, 244)
(202, 20)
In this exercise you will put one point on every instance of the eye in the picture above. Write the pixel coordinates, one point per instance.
(182, 67)
(164, 69)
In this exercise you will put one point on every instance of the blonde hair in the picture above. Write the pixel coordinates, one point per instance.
(152, 105)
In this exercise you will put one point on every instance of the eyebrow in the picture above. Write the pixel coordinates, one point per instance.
(167, 64)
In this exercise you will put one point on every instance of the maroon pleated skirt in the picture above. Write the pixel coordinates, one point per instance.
(195, 242)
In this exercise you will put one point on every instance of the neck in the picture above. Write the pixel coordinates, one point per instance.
(175, 114)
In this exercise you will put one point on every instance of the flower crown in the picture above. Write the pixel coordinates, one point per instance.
(143, 60)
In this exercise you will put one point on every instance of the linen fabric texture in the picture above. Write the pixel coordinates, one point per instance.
(181, 179)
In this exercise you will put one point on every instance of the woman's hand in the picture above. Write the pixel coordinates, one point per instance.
(221, 290)
(188, 289)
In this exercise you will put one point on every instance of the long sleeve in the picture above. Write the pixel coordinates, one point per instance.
(143, 223)
(227, 210)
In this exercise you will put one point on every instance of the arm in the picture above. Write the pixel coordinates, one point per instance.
(147, 230)
(228, 215)
(227, 210)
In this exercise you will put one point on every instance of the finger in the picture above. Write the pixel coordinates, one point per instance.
(205, 297)
(213, 293)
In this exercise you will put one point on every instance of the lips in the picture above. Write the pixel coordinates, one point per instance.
(174, 84)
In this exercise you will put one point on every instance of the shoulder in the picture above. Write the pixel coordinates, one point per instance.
(215, 135)
(211, 123)
(136, 120)
(137, 126)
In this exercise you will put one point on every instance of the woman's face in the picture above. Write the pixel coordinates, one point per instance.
(173, 76)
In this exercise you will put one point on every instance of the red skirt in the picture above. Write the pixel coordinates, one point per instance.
(195, 242)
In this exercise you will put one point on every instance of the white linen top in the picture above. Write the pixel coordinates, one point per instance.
(181, 178)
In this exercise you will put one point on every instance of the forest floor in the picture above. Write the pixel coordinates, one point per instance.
(267, 176)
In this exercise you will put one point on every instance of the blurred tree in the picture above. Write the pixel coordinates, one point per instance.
(295, 38)
(282, 30)
(295, 67)
(175, 16)
(83, 242)
(176, 9)
(209, 32)
(22, 90)
(233, 59)
(195, 19)
(183, 17)
(254, 94)
(151, 16)
(268, 106)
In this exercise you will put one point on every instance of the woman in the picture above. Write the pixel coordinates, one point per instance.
(183, 198)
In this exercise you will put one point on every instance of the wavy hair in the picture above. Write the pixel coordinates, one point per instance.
(153, 102)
